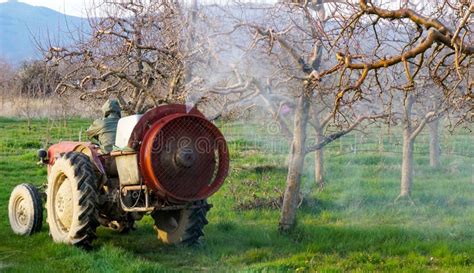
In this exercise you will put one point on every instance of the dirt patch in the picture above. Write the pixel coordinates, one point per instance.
(264, 199)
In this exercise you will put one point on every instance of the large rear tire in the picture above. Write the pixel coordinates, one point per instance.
(72, 200)
(181, 227)
(25, 210)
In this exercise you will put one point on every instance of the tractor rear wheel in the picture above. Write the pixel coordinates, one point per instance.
(181, 227)
(72, 200)
(25, 210)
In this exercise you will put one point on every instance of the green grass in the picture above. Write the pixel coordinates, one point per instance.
(353, 225)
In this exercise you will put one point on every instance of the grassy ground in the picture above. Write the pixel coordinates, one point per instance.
(353, 225)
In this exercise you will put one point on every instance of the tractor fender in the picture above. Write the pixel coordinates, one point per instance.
(92, 151)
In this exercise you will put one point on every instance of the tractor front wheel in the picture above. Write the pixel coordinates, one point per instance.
(25, 210)
(72, 200)
(181, 227)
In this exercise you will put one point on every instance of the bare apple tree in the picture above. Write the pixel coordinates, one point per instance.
(290, 45)
(422, 105)
(139, 51)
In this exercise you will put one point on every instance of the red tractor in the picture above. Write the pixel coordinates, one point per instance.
(166, 162)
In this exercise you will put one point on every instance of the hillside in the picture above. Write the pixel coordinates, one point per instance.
(21, 24)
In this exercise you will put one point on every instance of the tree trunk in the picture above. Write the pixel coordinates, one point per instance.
(407, 164)
(381, 138)
(291, 197)
(319, 158)
(407, 155)
(435, 150)
(319, 168)
(296, 163)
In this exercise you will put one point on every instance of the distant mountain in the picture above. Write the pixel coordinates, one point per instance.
(21, 24)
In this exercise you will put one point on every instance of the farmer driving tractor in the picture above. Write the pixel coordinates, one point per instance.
(102, 131)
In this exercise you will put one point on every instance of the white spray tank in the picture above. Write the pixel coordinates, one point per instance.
(125, 158)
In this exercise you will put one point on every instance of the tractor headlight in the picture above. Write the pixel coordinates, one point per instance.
(42, 155)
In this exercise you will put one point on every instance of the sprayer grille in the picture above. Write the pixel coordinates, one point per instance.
(188, 157)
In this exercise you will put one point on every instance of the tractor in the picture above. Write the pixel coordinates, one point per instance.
(165, 163)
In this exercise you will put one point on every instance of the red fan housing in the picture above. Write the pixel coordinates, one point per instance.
(182, 156)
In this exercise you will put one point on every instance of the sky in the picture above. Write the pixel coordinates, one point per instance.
(70, 7)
